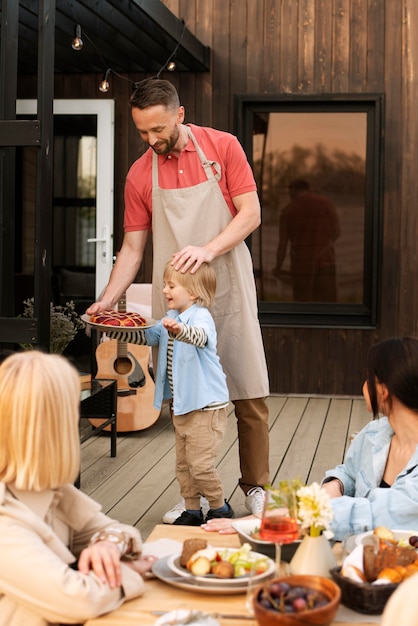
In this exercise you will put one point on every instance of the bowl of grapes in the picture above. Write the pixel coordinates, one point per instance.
(296, 601)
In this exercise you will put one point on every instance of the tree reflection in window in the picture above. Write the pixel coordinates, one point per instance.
(315, 164)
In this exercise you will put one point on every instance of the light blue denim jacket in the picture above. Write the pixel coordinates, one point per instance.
(364, 504)
(198, 377)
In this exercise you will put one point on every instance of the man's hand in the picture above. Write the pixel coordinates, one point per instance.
(99, 306)
(191, 257)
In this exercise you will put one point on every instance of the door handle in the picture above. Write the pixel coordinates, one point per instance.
(105, 240)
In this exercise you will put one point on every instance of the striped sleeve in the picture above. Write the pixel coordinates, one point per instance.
(193, 335)
(128, 336)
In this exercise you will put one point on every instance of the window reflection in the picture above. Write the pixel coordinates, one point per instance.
(310, 170)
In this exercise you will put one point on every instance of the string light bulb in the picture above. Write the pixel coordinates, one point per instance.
(77, 43)
(104, 85)
(171, 66)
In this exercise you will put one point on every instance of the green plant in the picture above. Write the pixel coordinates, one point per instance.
(64, 324)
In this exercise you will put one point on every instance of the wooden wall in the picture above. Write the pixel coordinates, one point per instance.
(312, 47)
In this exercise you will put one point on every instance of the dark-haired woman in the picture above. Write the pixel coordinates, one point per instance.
(377, 485)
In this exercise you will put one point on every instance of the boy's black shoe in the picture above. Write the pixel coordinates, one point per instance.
(214, 513)
(188, 519)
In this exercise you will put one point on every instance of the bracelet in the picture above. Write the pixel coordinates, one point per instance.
(120, 538)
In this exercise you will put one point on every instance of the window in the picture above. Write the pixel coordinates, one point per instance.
(316, 161)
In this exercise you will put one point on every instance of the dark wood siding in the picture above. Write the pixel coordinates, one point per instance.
(305, 47)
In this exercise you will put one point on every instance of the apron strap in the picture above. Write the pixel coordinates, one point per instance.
(207, 165)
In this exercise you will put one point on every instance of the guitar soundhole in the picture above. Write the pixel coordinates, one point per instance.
(122, 365)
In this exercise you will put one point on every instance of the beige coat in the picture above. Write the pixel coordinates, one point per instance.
(41, 536)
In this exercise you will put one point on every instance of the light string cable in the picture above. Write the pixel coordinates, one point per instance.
(170, 63)
(104, 85)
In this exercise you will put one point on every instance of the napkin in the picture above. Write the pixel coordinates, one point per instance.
(162, 547)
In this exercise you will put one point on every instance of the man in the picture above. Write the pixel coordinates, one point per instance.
(310, 223)
(195, 190)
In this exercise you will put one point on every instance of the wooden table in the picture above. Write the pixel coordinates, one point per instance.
(163, 597)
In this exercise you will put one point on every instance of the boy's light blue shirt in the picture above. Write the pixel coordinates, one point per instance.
(364, 504)
(198, 377)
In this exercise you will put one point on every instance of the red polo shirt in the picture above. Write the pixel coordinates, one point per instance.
(186, 171)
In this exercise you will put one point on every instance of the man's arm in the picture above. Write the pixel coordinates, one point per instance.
(124, 271)
(247, 219)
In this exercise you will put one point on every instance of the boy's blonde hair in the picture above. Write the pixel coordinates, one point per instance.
(39, 416)
(201, 284)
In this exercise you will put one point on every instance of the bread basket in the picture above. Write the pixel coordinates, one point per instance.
(362, 597)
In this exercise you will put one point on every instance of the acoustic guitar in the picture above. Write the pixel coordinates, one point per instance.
(128, 364)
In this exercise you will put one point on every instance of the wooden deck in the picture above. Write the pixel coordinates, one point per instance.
(308, 435)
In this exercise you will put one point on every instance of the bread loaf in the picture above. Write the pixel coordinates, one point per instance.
(388, 556)
(190, 547)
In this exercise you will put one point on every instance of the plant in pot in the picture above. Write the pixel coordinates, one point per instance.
(64, 324)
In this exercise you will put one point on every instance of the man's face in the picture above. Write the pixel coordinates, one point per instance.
(159, 127)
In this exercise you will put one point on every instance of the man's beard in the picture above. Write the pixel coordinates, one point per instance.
(165, 147)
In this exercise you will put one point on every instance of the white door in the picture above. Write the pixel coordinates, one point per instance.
(104, 167)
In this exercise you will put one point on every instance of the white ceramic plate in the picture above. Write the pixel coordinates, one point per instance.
(105, 327)
(161, 570)
(173, 562)
(184, 616)
(399, 534)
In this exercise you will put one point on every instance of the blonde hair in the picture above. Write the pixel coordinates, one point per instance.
(201, 284)
(39, 416)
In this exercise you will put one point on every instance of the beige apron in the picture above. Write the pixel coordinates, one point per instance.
(194, 216)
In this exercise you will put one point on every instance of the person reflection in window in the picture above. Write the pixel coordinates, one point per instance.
(310, 223)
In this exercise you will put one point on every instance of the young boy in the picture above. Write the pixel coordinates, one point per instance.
(189, 372)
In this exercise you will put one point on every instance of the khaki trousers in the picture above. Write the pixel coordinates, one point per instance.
(253, 442)
(198, 436)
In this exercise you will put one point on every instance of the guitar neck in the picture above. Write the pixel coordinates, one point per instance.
(122, 303)
(122, 348)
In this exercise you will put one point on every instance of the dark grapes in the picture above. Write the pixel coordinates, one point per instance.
(300, 604)
(280, 596)
(413, 541)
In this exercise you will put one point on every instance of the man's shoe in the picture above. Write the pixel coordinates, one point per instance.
(254, 500)
(174, 513)
(177, 510)
(188, 519)
(215, 514)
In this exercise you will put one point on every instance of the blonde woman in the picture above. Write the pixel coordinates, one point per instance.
(62, 560)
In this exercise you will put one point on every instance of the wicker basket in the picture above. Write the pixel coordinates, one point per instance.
(362, 597)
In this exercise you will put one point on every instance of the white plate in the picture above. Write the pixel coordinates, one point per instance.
(199, 584)
(399, 534)
(173, 562)
(106, 327)
(184, 616)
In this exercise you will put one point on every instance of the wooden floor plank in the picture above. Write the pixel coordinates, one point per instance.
(308, 435)
(298, 459)
(331, 446)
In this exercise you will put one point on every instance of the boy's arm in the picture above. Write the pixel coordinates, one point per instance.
(194, 335)
(128, 336)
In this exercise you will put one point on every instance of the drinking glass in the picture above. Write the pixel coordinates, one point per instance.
(279, 523)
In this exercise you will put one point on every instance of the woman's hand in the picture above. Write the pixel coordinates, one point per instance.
(219, 525)
(334, 488)
(103, 558)
(142, 565)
